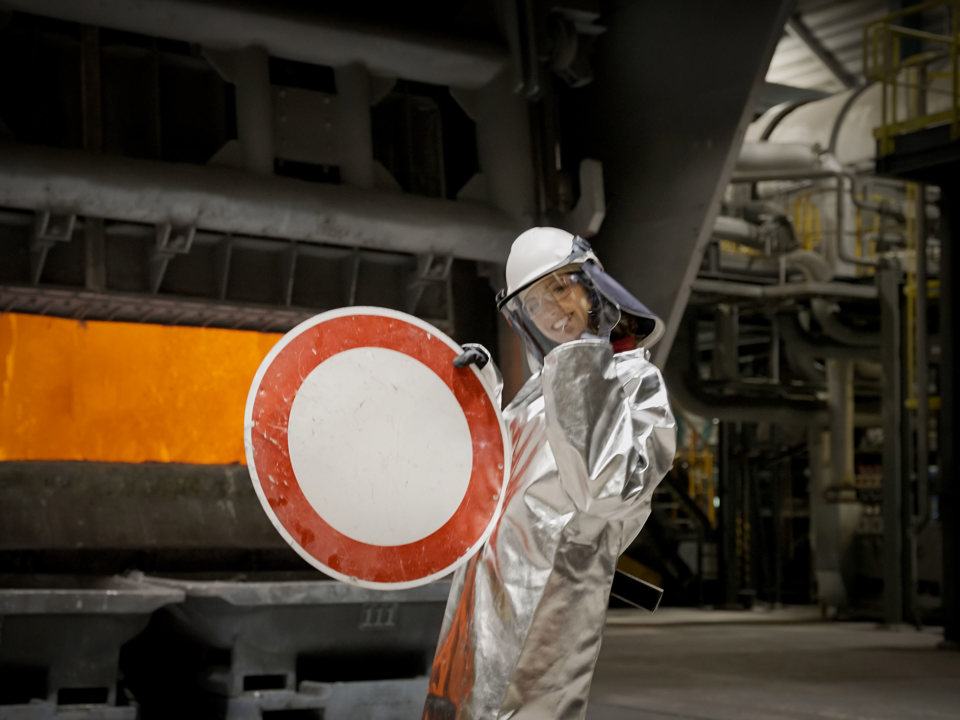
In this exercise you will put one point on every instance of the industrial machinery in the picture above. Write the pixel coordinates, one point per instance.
(814, 331)
(182, 180)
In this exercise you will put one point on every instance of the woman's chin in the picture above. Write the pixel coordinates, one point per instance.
(567, 335)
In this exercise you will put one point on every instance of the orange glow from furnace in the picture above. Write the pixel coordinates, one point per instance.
(124, 392)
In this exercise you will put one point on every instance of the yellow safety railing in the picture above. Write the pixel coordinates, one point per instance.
(910, 291)
(699, 452)
(804, 211)
(925, 79)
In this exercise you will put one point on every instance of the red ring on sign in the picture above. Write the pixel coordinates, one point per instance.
(271, 409)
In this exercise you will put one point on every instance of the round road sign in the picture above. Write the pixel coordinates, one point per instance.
(379, 462)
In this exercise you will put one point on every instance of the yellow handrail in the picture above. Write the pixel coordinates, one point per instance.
(882, 63)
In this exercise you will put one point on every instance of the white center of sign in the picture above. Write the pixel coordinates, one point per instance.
(379, 446)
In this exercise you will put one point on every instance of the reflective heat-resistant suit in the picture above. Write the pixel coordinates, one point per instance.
(592, 435)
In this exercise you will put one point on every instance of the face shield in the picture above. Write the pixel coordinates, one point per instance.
(576, 300)
(562, 306)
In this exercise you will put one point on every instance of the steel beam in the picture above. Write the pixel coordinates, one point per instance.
(255, 109)
(888, 282)
(231, 201)
(665, 159)
(950, 401)
(304, 36)
(802, 32)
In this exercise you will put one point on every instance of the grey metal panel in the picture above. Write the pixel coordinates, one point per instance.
(667, 154)
(287, 641)
(61, 641)
(361, 700)
(148, 506)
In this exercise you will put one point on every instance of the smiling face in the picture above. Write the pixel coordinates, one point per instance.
(558, 304)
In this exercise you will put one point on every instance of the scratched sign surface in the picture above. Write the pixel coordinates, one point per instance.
(379, 462)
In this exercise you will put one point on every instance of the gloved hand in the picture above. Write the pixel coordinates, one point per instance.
(472, 353)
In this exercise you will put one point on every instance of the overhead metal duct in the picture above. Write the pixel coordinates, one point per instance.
(233, 201)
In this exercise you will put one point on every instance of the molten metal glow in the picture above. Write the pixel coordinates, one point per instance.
(122, 392)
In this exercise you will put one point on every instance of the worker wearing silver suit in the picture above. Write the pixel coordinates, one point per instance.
(592, 435)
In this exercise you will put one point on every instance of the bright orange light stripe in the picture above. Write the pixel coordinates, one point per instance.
(123, 392)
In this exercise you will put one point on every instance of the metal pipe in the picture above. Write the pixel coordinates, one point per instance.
(922, 369)
(881, 207)
(801, 344)
(693, 398)
(686, 389)
(737, 229)
(869, 370)
(689, 392)
(840, 401)
(786, 290)
(826, 314)
(893, 506)
(803, 351)
(771, 156)
(755, 176)
(834, 510)
(834, 250)
(231, 201)
(809, 263)
(303, 36)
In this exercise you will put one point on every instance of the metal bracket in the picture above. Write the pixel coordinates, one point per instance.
(432, 269)
(48, 228)
(289, 272)
(224, 257)
(354, 278)
(587, 215)
(170, 240)
(572, 31)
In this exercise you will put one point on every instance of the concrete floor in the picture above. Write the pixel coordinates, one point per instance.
(680, 664)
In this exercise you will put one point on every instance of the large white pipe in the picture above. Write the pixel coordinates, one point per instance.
(726, 227)
(235, 201)
(303, 36)
(777, 156)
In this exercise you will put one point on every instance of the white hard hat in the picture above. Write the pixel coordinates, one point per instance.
(538, 251)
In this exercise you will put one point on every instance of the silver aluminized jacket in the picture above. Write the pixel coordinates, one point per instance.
(592, 435)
